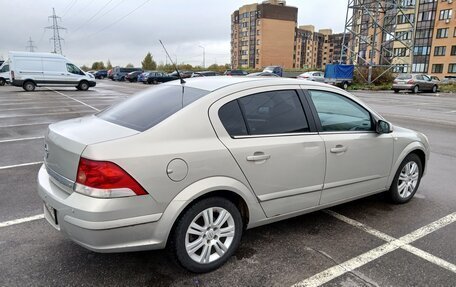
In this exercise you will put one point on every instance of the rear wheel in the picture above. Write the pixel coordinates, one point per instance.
(345, 85)
(396, 91)
(434, 89)
(155, 82)
(407, 179)
(207, 234)
(2, 82)
(29, 86)
(415, 89)
(83, 86)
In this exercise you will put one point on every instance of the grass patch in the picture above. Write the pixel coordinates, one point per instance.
(382, 87)
(448, 88)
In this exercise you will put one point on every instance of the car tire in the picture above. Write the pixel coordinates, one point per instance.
(407, 179)
(396, 91)
(155, 82)
(434, 89)
(83, 86)
(415, 89)
(2, 82)
(205, 241)
(345, 86)
(29, 86)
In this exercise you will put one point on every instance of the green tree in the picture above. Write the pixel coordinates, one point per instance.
(98, 66)
(148, 63)
(129, 65)
(84, 68)
(108, 65)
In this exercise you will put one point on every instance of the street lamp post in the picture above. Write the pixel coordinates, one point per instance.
(204, 56)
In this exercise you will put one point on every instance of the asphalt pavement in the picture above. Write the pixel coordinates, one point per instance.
(368, 242)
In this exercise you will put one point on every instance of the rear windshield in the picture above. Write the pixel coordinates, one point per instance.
(146, 109)
(404, 77)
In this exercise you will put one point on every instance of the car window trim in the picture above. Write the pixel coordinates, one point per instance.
(274, 135)
(317, 118)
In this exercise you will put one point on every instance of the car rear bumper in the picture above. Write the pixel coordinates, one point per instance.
(403, 86)
(101, 225)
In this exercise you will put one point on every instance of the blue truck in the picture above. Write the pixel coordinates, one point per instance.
(339, 75)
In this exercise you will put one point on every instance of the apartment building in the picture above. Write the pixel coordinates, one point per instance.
(442, 62)
(413, 35)
(267, 34)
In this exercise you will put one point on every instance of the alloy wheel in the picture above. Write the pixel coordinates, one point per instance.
(408, 179)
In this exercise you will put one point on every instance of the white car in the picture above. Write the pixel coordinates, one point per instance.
(190, 166)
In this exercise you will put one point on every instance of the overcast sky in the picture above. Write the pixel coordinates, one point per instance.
(123, 31)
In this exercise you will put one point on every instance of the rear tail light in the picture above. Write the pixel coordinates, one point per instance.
(410, 82)
(105, 179)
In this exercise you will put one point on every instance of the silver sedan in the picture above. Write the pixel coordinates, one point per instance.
(191, 166)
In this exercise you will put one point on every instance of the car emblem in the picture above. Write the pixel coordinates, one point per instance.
(46, 151)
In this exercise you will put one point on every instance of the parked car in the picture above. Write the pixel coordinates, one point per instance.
(191, 166)
(156, 77)
(414, 83)
(4, 73)
(449, 80)
(184, 74)
(119, 73)
(204, 74)
(143, 76)
(235, 73)
(315, 76)
(101, 74)
(29, 70)
(275, 70)
(262, 74)
(133, 76)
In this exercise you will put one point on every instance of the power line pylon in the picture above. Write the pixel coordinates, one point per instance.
(30, 47)
(56, 34)
(380, 34)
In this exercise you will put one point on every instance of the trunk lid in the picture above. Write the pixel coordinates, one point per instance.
(65, 141)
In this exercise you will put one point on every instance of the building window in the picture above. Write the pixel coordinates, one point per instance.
(437, 68)
(419, 68)
(403, 35)
(400, 52)
(426, 16)
(445, 14)
(454, 33)
(439, 51)
(421, 50)
(405, 3)
(423, 34)
(400, 68)
(442, 33)
(452, 68)
(453, 50)
(407, 18)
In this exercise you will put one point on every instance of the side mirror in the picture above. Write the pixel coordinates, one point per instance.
(383, 127)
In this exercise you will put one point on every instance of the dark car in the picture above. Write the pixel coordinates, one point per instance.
(184, 74)
(204, 74)
(101, 74)
(156, 77)
(133, 76)
(235, 73)
(275, 70)
(262, 74)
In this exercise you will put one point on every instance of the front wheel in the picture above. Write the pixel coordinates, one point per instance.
(207, 234)
(406, 180)
(396, 91)
(415, 89)
(2, 82)
(434, 89)
(345, 85)
(83, 86)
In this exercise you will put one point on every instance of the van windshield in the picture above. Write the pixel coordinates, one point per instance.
(148, 108)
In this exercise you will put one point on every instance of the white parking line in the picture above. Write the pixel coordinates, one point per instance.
(21, 139)
(21, 220)
(87, 105)
(19, 165)
(358, 261)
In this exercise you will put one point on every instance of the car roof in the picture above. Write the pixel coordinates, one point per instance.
(218, 82)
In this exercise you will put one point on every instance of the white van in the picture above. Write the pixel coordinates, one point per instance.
(4, 73)
(30, 70)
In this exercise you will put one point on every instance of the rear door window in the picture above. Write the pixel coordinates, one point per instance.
(275, 112)
(146, 109)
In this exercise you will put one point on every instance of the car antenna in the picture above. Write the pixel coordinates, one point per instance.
(175, 67)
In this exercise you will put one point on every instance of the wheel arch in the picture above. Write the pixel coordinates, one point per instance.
(413, 148)
(228, 188)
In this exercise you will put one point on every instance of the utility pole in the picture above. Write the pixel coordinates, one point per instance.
(30, 47)
(56, 34)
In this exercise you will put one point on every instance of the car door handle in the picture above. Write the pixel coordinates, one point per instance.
(339, 149)
(259, 157)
